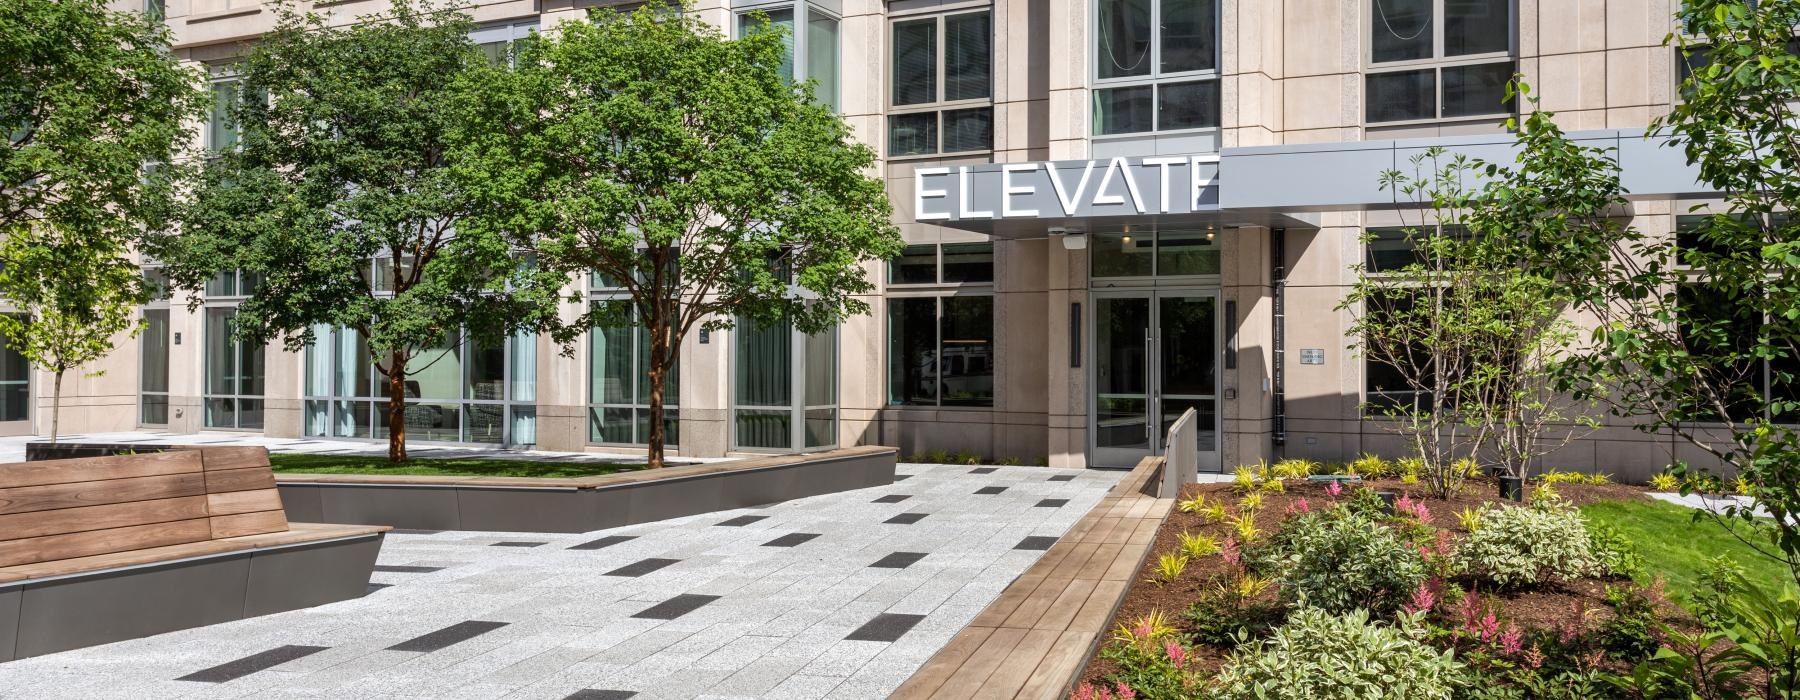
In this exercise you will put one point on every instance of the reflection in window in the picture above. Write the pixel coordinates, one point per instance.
(937, 62)
(1465, 46)
(1143, 47)
(1145, 253)
(235, 370)
(460, 390)
(962, 263)
(153, 368)
(811, 54)
(785, 390)
(619, 386)
(15, 384)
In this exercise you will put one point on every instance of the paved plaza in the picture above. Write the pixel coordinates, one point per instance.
(839, 596)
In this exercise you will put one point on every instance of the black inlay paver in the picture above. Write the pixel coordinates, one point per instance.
(891, 498)
(983, 470)
(906, 518)
(989, 490)
(886, 627)
(448, 636)
(639, 568)
(519, 544)
(605, 542)
(1063, 477)
(1053, 503)
(743, 520)
(232, 670)
(675, 607)
(898, 560)
(596, 694)
(791, 539)
(397, 569)
(1037, 542)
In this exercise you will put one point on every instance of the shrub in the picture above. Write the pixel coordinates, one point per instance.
(1339, 561)
(1193, 505)
(1168, 568)
(1615, 552)
(1514, 546)
(1631, 633)
(1197, 546)
(1154, 665)
(1366, 503)
(1341, 657)
(1294, 468)
(1371, 466)
(1665, 482)
(1234, 609)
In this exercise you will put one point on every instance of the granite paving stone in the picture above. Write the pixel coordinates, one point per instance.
(557, 623)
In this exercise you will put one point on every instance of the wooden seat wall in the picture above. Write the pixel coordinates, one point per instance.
(73, 508)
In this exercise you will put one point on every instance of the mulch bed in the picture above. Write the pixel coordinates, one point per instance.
(1544, 606)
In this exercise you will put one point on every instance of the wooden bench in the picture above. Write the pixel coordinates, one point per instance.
(103, 549)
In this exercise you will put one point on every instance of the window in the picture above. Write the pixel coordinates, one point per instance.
(619, 377)
(942, 84)
(959, 263)
(785, 388)
(941, 339)
(1156, 66)
(233, 397)
(1399, 375)
(812, 53)
(1693, 59)
(221, 122)
(460, 390)
(499, 42)
(1438, 59)
(1393, 248)
(1723, 328)
(15, 384)
(153, 352)
(1147, 252)
(155, 10)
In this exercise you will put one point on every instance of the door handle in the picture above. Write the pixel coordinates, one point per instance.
(1149, 389)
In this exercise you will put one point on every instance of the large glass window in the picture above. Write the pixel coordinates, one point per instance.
(221, 124)
(950, 263)
(619, 387)
(499, 42)
(811, 37)
(942, 84)
(459, 390)
(1438, 59)
(15, 384)
(785, 388)
(1146, 252)
(941, 351)
(153, 368)
(1156, 66)
(235, 370)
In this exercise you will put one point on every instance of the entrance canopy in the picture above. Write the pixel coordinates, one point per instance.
(1265, 186)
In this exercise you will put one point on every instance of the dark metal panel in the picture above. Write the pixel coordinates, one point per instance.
(72, 613)
(301, 501)
(525, 510)
(290, 578)
(9, 621)
(414, 507)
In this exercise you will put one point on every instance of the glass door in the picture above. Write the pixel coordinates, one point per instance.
(1155, 353)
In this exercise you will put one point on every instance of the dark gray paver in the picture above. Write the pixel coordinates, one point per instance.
(519, 544)
(398, 569)
(743, 520)
(604, 542)
(448, 636)
(1063, 477)
(898, 560)
(1037, 542)
(639, 568)
(232, 670)
(596, 694)
(983, 470)
(990, 490)
(892, 498)
(791, 539)
(675, 607)
(886, 627)
(906, 518)
(1053, 503)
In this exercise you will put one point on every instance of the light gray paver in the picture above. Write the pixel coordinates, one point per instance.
(776, 631)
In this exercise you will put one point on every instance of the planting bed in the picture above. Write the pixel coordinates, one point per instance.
(1573, 609)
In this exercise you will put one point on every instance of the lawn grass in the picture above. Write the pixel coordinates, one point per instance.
(1678, 547)
(376, 464)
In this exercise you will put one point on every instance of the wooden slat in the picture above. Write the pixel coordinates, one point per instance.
(65, 471)
(1099, 607)
(1063, 610)
(1016, 669)
(1009, 600)
(302, 533)
(249, 524)
(227, 480)
(981, 664)
(237, 502)
(1096, 567)
(1047, 680)
(29, 499)
(222, 458)
(19, 526)
(83, 544)
(942, 665)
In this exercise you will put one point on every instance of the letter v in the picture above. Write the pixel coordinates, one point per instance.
(1062, 193)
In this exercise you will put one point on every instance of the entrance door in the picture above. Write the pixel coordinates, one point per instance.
(1156, 353)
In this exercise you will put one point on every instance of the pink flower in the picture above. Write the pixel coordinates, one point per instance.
(1407, 506)
(1300, 506)
(1334, 489)
(1443, 543)
(1229, 550)
(1085, 691)
(1176, 653)
(1143, 630)
(1471, 615)
(1126, 693)
(1490, 626)
(1511, 641)
(1423, 599)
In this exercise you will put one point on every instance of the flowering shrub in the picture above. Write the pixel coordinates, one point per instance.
(1152, 664)
(1514, 546)
(1339, 561)
(1319, 655)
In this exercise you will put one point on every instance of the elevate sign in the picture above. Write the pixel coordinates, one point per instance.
(1068, 189)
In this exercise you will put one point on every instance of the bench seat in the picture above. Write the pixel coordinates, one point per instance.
(297, 533)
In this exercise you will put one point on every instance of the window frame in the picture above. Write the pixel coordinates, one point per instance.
(1156, 78)
(1436, 63)
(159, 302)
(599, 293)
(1155, 276)
(939, 105)
(801, 60)
(938, 290)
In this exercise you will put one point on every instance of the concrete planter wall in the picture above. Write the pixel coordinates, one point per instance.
(503, 504)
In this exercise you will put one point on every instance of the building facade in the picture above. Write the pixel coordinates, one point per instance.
(1115, 210)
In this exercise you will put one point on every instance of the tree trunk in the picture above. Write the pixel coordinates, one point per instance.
(56, 406)
(397, 408)
(659, 371)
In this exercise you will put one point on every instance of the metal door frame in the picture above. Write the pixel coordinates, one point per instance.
(1209, 460)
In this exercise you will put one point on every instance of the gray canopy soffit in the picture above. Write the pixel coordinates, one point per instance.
(1266, 186)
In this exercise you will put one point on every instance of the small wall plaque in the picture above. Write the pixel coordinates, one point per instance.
(1312, 356)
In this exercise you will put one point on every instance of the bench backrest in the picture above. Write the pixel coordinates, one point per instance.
(69, 508)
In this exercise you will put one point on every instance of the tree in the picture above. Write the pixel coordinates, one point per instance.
(686, 168)
(74, 300)
(1700, 332)
(339, 199)
(91, 98)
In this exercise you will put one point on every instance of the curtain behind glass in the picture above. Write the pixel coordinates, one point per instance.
(155, 373)
(764, 364)
(524, 366)
(1124, 38)
(15, 384)
(822, 57)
